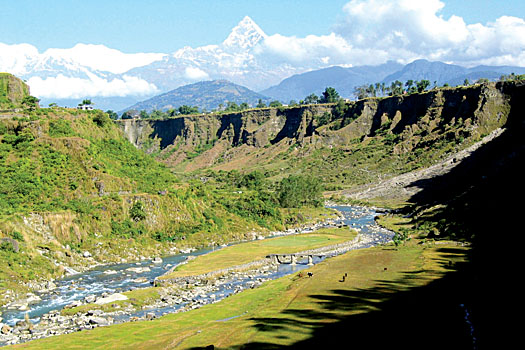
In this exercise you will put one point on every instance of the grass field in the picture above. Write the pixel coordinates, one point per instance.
(247, 252)
(391, 296)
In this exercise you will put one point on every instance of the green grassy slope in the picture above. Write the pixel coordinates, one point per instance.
(71, 183)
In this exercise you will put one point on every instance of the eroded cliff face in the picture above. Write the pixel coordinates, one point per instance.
(195, 137)
(220, 141)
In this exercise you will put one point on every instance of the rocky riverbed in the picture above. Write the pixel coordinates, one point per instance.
(180, 294)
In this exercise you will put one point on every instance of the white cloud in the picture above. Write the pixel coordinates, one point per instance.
(73, 71)
(374, 31)
(194, 73)
(15, 58)
(100, 57)
(413, 28)
(312, 48)
(70, 87)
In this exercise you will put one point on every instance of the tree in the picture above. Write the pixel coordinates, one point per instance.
(361, 92)
(143, 114)
(396, 88)
(466, 82)
(371, 90)
(30, 102)
(410, 86)
(86, 102)
(112, 115)
(127, 115)
(422, 85)
(275, 104)
(101, 119)
(253, 181)
(383, 89)
(260, 104)
(231, 107)
(311, 99)
(340, 109)
(244, 106)
(298, 191)
(184, 109)
(137, 212)
(330, 95)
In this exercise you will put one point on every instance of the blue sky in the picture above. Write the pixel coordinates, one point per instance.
(167, 25)
(76, 37)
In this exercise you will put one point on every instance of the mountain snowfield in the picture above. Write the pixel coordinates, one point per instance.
(86, 70)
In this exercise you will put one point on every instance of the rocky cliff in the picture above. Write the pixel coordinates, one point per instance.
(411, 131)
(12, 91)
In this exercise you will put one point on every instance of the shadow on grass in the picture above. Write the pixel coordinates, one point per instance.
(393, 314)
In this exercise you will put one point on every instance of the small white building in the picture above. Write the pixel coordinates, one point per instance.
(85, 107)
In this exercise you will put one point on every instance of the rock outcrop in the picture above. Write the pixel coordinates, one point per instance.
(196, 142)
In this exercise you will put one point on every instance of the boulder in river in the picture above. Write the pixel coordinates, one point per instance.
(90, 299)
(140, 280)
(5, 329)
(111, 298)
(138, 269)
(100, 321)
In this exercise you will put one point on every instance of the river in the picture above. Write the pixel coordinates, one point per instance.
(115, 278)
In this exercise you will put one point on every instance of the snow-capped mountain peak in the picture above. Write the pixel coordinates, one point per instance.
(245, 35)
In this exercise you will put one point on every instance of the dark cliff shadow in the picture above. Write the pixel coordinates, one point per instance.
(167, 131)
(481, 202)
(231, 123)
(291, 128)
(474, 305)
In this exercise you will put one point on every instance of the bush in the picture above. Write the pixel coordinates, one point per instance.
(137, 212)
(60, 128)
(9, 245)
(101, 119)
(127, 229)
(17, 235)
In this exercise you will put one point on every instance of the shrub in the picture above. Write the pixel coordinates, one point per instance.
(60, 128)
(101, 119)
(137, 212)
